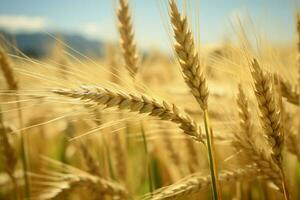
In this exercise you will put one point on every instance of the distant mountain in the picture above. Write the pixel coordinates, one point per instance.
(40, 44)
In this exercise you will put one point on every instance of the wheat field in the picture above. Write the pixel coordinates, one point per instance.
(199, 123)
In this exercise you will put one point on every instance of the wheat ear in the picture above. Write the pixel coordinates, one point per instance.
(192, 73)
(288, 92)
(188, 57)
(244, 114)
(7, 69)
(244, 140)
(136, 103)
(98, 186)
(270, 116)
(128, 45)
(196, 183)
(270, 113)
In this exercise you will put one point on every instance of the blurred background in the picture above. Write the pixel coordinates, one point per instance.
(86, 25)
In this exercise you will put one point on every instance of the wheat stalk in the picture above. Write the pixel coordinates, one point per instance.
(196, 183)
(128, 45)
(136, 103)
(120, 158)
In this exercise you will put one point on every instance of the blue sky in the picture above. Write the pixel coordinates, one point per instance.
(95, 18)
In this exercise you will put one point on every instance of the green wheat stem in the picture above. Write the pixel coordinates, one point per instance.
(211, 157)
(147, 158)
